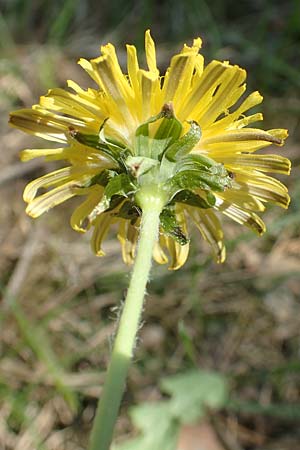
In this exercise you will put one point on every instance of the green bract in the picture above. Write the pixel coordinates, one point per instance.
(161, 159)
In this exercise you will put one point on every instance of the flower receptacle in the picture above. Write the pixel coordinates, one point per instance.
(151, 197)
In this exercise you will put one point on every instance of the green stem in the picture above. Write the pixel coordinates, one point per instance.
(114, 385)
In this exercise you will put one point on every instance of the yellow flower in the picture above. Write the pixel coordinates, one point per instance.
(184, 133)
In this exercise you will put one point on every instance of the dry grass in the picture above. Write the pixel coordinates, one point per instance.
(59, 305)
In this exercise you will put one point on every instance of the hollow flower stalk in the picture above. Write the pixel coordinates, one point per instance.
(152, 152)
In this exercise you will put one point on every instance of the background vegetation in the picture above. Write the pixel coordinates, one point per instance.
(59, 302)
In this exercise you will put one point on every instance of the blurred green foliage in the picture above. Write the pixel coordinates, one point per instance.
(191, 394)
(264, 34)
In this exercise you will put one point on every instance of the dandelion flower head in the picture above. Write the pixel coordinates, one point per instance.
(184, 134)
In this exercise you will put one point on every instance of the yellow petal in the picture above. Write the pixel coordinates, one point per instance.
(91, 70)
(245, 121)
(73, 105)
(81, 213)
(264, 163)
(230, 120)
(56, 196)
(227, 94)
(245, 134)
(65, 102)
(52, 178)
(91, 99)
(101, 227)
(178, 253)
(179, 75)
(263, 187)
(203, 90)
(113, 81)
(128, 236)
(42, 125)
(209, 226)
(67, 122)
(241, 197)
(158, 254)
(77, 154)
(150, 91)
(249, 219)
(28, 154)
(133, 69)
(150, 53)
(239, 141)
(199, 67)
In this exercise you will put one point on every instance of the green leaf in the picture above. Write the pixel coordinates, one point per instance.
(172, 158)
(168, 132)
(200, 171)
(189, 179)
(204, 164)
(101, 178)
(192, 199)
(117, 186)
(185, 144)
(142, 139)
(139, 165)
(159, 423)
(194, 391)
(115, 151)
(169, 224)
(198, 162)
(159, 430)
(120, 185)
(194, 178)
(170, 128)
(129, 211)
